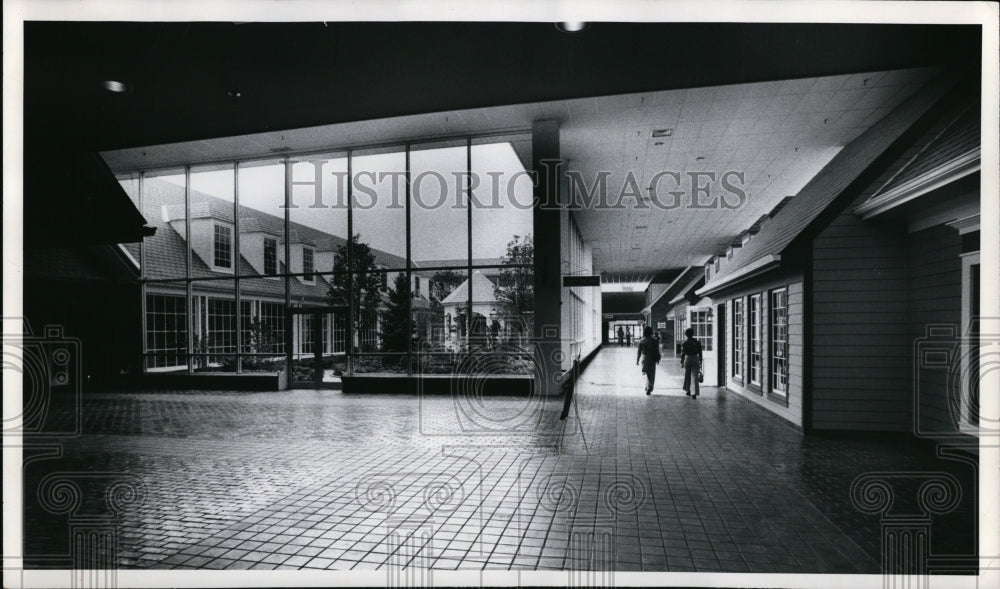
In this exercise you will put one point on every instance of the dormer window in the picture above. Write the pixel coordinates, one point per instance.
(270, 256)
(307, 264)
(223, 246)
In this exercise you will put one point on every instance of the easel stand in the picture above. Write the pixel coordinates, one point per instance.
(569, 401)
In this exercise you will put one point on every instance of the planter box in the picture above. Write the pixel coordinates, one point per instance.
(445, 384)
(215, 381)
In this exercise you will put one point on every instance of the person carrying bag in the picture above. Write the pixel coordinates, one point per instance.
(691, 361)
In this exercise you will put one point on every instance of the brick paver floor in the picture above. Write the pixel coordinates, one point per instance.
(325, 480)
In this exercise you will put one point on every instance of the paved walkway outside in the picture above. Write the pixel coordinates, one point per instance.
(324, 480)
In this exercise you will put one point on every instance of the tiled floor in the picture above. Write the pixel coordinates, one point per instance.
(324, 480)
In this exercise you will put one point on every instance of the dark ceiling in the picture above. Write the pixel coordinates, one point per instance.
(290, 75)
(302, 74)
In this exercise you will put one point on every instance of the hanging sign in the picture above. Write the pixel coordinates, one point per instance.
(582, 280)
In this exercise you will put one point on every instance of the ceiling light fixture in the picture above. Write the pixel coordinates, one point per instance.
(116, 86)
(658, 143)
(700, 158)
(571, 26)
(662, 132)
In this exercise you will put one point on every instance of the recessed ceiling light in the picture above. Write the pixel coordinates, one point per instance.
(116, 86)
(658, 143)
(662, 132)
(641, 226)
(699, 158)
(571, 26)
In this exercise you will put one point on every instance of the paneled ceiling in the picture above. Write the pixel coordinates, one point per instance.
(778, 135)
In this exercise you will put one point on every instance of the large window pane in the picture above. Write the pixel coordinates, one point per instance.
(501, 204)
(382, 336)
(213, 222)
(379, 208)
(163, 208)
(779, 341)
(262, 325)
(166, 327)
(754, 336)
(213, 306)
(319, 213)
(262, 219)
(321, 334)
(439, 214)
(130, 184)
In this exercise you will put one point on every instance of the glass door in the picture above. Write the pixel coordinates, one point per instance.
(319, 351)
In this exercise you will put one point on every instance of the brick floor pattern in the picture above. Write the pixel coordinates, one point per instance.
(323, 480)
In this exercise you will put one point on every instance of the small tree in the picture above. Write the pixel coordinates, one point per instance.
(395, 316)
(514, 292)
(366, 281)
(443, 283)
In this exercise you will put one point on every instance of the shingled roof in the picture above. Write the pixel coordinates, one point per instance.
(775, 238)
(948, 151)
(166, 249)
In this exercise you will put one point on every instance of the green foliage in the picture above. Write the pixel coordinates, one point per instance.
(515, 289)
(365, 285)
(443, 283)
(395, 316)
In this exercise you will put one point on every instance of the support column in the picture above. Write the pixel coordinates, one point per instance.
(546, 232)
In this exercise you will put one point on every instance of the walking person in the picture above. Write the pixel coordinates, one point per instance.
(621, 336)
(628, 337)
(649, 352)
(691, 361)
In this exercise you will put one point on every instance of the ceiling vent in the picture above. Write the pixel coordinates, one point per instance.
(663, 132)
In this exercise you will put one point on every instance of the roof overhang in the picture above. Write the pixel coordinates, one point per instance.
(956, 169)
(649, 309)
(763, 264)
(687, 289)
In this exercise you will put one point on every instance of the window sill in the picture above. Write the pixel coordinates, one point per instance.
(755, 388)
(778, 398)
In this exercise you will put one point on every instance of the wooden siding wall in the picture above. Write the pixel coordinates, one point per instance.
(935, 299)
(793, 411)
(860, 327)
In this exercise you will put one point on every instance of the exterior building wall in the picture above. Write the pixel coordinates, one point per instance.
(860, 327)
(323, 260)
(660, 313)
(252, 249)
(935, 298)
(789, 406)
(203, 243)
(296, 259)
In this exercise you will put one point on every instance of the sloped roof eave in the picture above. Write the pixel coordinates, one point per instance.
(751, 270)
(822, 192)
